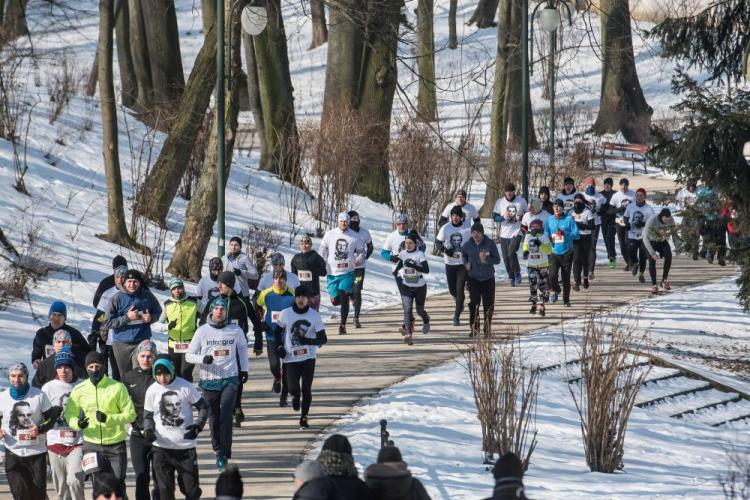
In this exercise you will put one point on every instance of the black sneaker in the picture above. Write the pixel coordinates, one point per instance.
(283, 403)
(641, 278)
(533, 309)
(356, 322)
(541, 310)
(295, 403)
(566, 303)
(576, 287)
(634, 269)
(342, 329)
(276, 387)
(586, 282)
(303, 423)
(722, 262)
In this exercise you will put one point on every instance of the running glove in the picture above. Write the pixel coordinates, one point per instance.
(238, 272)
(192, 431)
(258, 347)
(172, 324)
(149, 435)
(243, 377)
(83, 421)
(281, 351)
(208, 359)
(101, 416)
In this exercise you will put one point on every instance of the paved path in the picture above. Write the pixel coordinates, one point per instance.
(269, 444)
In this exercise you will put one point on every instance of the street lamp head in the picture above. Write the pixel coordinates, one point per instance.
(254, 19)
(746, 152)
(549, 19)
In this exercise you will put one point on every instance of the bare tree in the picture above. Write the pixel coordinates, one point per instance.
(14, 23)
(319, 28)
(253, 95)
(484, 14)
(452, 36)
(426, 96)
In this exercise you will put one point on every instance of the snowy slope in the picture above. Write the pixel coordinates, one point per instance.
(432, 419)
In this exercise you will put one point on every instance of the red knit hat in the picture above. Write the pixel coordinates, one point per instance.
(641, 190)
(589, 181)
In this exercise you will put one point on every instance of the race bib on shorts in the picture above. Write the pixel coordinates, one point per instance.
(221, 352)
(25, 437)
(275, 316)
(181, 347)
(68, 436)
(49, 351)
(305, 275)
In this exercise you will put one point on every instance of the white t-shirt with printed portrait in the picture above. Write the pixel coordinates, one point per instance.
(297, 326)
(410, 276)
(172, 406)
(18, 417)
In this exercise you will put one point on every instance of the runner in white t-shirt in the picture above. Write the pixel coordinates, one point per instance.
(410, 268)
(168, 423)
(469, 213)
(299, 333)
(449, 240)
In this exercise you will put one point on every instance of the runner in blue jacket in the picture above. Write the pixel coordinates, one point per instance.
(562, 231)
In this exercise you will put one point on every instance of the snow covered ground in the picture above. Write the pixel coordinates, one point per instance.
(432, 418)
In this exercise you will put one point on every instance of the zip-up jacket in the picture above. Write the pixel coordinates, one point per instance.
(272, 302)
(478, 270)
(656, 230)
(247, 270)
(109, 397)
(561, 232)
(116, 315)
(137, 381)
(313, 263)
(184, 312)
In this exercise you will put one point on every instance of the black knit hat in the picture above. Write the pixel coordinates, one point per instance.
(237, 239)
(568, 180)
(389, 454)
(456, 210)
(118, 261)
(229, 484)
(227, 277)
(510, 187)
(94, 357)
(509, 465)
(609, 181)
(301, 291)
(134, 274)
(339, 443)
(558, 202)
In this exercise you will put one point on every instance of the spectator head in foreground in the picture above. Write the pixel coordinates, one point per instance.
(229, 484)
(508, 472)
(306, 471)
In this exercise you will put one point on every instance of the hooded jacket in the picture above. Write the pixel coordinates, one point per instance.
(339, 483)
(109, 397)
(561, 232)
(124, 330)
(184, 312)
(393, 481)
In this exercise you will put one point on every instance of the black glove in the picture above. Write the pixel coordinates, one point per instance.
(238, 272)
(101, 416)
(172, 324)
(526, 255)
(640, 224)
(83, 421)
(54, 413)
(191, 431)
(281, 351)
(394, 258)
(258, 347)
(208, 359)
(93, 339)
(410, 263)
(243, 377)
(149, 435)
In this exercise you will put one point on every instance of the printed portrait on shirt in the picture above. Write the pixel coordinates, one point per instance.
(21, 417)
(169, 408)
(342, 249)
(299, 330)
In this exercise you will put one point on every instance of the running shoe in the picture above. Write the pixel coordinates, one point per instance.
(283, 403)
(577, 287)
(303, 425)
(654, 290)
(641, 278)
(554, 297)
(533, 309)
(408, 340)
(221, 462)
(342, 329)
(541, 310)
(456, 322)
(591, 276)
(566, 303)
(512, 282)
(518, 279)
(357, 324)
(586, 281)
(665, 285)
(425, 328)
(276, 387)
(612, 263)
(634, 269)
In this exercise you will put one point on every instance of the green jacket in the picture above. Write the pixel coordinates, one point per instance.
(109, 397)
(185, 313)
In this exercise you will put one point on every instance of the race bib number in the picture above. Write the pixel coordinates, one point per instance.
(559, 238)
(90, 463)
(300, 352)
(221, 353)
(410, 275)
(68, 436)
(342, 265)
(305, 275)
(26, 438)
(48, 351)
(275, 316)
(181, 347)
(535, 256)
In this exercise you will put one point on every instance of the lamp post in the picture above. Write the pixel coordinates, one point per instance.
(746, 152)
(550, 21)
(254, 19)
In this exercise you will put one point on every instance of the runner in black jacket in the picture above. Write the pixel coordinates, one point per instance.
(43, 339)
(309, 267)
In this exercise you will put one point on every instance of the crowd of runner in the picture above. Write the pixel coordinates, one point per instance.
(90, 395)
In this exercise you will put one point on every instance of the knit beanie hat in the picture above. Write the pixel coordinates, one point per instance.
(338, 443)
(19, 367)
(301, 291)
(389, 454)
(61, 336)
(227, 277)
(609, 181)
(58, 307)
(568, 180)
(65, 357)
(236, 239)
(456, 210)
(146, 345)
(120, 271)
(118, 261)
(218, 301)
(477, 226)
(176, 283)
(229, 484)
(162, 365)
(509, 465)
(641, 190)
(277, 259)
(134, 274)
(94, 357)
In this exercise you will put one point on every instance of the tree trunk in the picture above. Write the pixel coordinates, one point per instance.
(452, 36)
(622, 106)
(497, 171)
(140, 56)
(426, 96)
(190, 250)
(14, 23)
(117, 231)
(319, 28)
(208, 13)
(161, 185)
(2, 16)
(165, 60)
(513, 83)
(343, 64)
(129, 90)
(379, 77)
(484, 14)
(253, 94)
(276, 96)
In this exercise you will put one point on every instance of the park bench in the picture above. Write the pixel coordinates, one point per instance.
(618, 151)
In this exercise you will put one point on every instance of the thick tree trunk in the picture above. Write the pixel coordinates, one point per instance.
(140, 56)
(161, 185)
(345, 46)
(14, 23)
(129, 89)
(513, 83)
(253, 97)
(426, 96)
(379, 77)
(187, 261)
(497, 171)
(117, 231)
(452, 36)
(2, 15)
(484, 14)
(276, 96)
(208, 13)
(165, 60)
(622, 106)
(319, 28)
